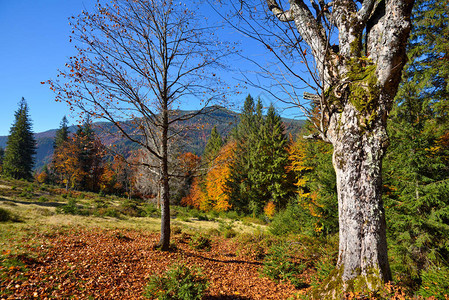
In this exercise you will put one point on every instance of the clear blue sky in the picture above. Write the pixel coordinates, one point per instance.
(34, 44)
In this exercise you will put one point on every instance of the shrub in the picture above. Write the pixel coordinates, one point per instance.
(5, 215)
(72, 208)
(43, 199)
(201, 242)
(180, 282)
(26, 194)
(131, 208)
(227, 229)
(279, 265)
(150, 210)
(435, 282)
(112, 212)
(292, 220)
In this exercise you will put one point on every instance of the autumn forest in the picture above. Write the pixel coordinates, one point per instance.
(144, 200)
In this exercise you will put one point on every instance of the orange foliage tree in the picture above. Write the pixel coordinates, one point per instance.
(67, 164)
(210, 193)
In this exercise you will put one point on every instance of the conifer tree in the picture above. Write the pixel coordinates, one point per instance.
(21, 146)
(91, 159)
(258, 172)
(62, 134)
(416, 168)
(269, 160)
(2, 154)
(213, 146)
(238, 185)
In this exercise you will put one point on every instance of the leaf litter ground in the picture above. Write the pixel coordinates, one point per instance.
(115, 264)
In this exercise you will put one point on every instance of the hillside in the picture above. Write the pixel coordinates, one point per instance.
(224, 119)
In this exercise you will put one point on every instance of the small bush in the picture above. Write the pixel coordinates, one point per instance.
(178, 283)
(201, 242)
(43, 199)
(5, 215)
(292, 220)
(233, 215)
(131, 208)
(279, 265)
(227, 229)
(435, 282)
(176, 230)
(72, 208)
(112, 212)
(26, 194)
(150, 210)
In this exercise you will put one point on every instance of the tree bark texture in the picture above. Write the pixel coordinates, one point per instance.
(165, 189)
(359, 80)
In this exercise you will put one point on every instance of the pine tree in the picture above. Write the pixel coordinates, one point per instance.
(62, 134)
(21, 146)
(238, 185)
(91, 158)
(416, 169)
(213, 146)
(426, 75)
(269, 160)
(2, 154)
(258, 173)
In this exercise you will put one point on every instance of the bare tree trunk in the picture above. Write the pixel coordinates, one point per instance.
(165, 189)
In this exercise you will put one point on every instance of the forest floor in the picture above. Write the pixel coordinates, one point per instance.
(48, 251)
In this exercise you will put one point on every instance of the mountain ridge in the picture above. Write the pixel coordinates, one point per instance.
(223, 118)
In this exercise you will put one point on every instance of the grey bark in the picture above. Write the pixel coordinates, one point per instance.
(354, 110)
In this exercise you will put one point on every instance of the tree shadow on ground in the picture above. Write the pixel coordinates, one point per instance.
(226, 297)
(44, 204)
(233, 261)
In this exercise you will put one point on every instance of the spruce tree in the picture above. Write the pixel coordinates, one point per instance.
(2, 154)
(258, 172)
(238, 185)
(269, 160)
(213, 146)
(21, 146)
(416, 169)
(62, 134)
(91, 158)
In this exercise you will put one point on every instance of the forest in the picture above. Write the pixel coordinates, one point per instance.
(355, 205)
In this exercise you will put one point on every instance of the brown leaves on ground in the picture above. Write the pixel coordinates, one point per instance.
(116, 264)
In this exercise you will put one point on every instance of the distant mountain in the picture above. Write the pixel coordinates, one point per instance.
(201, 125)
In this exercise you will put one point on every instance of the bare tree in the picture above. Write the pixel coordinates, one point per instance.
(137, 61)
(358, 51)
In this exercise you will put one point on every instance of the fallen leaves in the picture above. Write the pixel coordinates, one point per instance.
(115, 264)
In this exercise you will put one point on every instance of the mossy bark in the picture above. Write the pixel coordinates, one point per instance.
(359, 80)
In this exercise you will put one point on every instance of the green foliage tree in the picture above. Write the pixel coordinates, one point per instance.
(213, 146)
(238, 184)
(91, 158)
(62, 134)
(268, 162)
(416, 169)
(2, 154)
(258, 171)
(21, 146)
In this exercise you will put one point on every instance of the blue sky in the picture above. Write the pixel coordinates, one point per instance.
(34, 44)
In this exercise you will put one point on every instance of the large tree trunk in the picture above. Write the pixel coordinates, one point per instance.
(359, 80)
(357, 159)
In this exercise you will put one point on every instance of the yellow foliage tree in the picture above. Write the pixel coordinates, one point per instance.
(67, 165)
(217, 176)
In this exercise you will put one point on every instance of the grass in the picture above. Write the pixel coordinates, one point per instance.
(51, 208)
